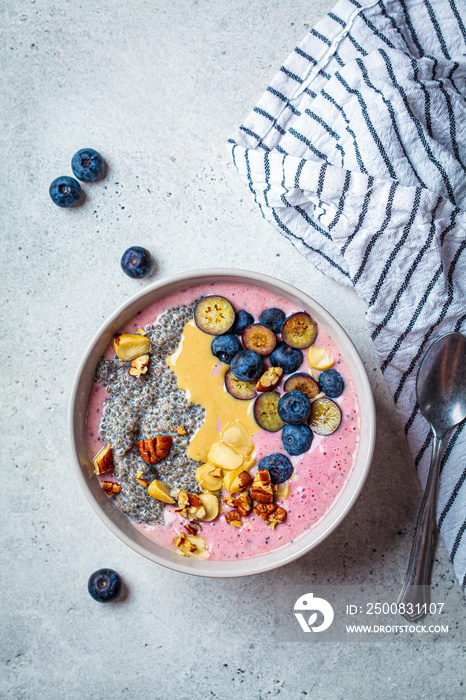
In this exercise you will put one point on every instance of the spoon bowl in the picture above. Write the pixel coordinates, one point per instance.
(441, 383)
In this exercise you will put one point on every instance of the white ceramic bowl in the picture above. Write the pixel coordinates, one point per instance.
(120, 525)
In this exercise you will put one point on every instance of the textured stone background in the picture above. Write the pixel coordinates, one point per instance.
(157, 88)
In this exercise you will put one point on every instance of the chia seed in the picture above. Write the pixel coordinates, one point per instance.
(147, 406)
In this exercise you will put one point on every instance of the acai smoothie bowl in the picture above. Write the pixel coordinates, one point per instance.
(221, 423)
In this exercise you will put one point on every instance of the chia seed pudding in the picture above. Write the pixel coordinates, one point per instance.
(184, 394)
(139, 407)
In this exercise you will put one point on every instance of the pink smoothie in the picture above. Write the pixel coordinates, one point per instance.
(320, 475)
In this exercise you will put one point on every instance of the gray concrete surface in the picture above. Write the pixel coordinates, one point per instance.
(157, 88)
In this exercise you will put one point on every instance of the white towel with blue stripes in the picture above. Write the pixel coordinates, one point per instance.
(356, 152)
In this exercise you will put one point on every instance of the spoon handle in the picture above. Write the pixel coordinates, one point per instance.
(415, 593)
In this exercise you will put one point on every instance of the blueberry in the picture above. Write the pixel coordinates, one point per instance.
(331, 383)
(294, 407)
(246, 365)
(65, 191)
(105, 585)
(87, 165)
(243, 320)
(289, 359)
(136, 262)
(273, 319)
(297, 439)
(279, 466)
(225, 347)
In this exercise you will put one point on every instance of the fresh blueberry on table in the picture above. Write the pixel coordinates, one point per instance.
(294, 407)
(273, 319)
(246, 365)
(225, 347)
(289, 359)
(105, 585)
(65, 191)
(136, 262)
(279, 466)
(87, 165)
(243, 319)
(297, 439)
(331, 383)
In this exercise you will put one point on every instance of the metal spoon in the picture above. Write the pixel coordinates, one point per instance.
(441, 397)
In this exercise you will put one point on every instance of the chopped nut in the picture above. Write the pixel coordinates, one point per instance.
(128, 346)
(139, 366)
(244, 479)
(182, 541)
(278, 516)
(269, 379)
(181, 430)
(110, 487)
(194, 500)
(230, 501)
(195, 513)
(192, 528)
(153, 450)
(140, 331)
(159, 490)
(233, 518)
(183, 498)
(262, 491)
(182, 512)
(264, 510)
(142, 482)
(243, 503)
(103, 461)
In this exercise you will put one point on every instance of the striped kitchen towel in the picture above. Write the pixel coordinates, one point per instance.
(357, 153)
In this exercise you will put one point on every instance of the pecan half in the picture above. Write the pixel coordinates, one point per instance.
(103, 461)
(264, 510)
(153, 450)
(233, 518)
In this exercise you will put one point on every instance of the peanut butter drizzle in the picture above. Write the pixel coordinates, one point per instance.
(193, 364)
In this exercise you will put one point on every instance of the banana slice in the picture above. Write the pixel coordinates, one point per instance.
(236, 435)
(128, 346)
(225, 456)
(208, 480)
(210, 503)
(160, 490)
(319, 358)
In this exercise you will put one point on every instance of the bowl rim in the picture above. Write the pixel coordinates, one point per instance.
(116, 521)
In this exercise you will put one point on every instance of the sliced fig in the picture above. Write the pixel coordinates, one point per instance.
(266, 413)
(302, 382)
(214, 315)
(239, 389)
(325, 416)
(259, 338)
(299, 330)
